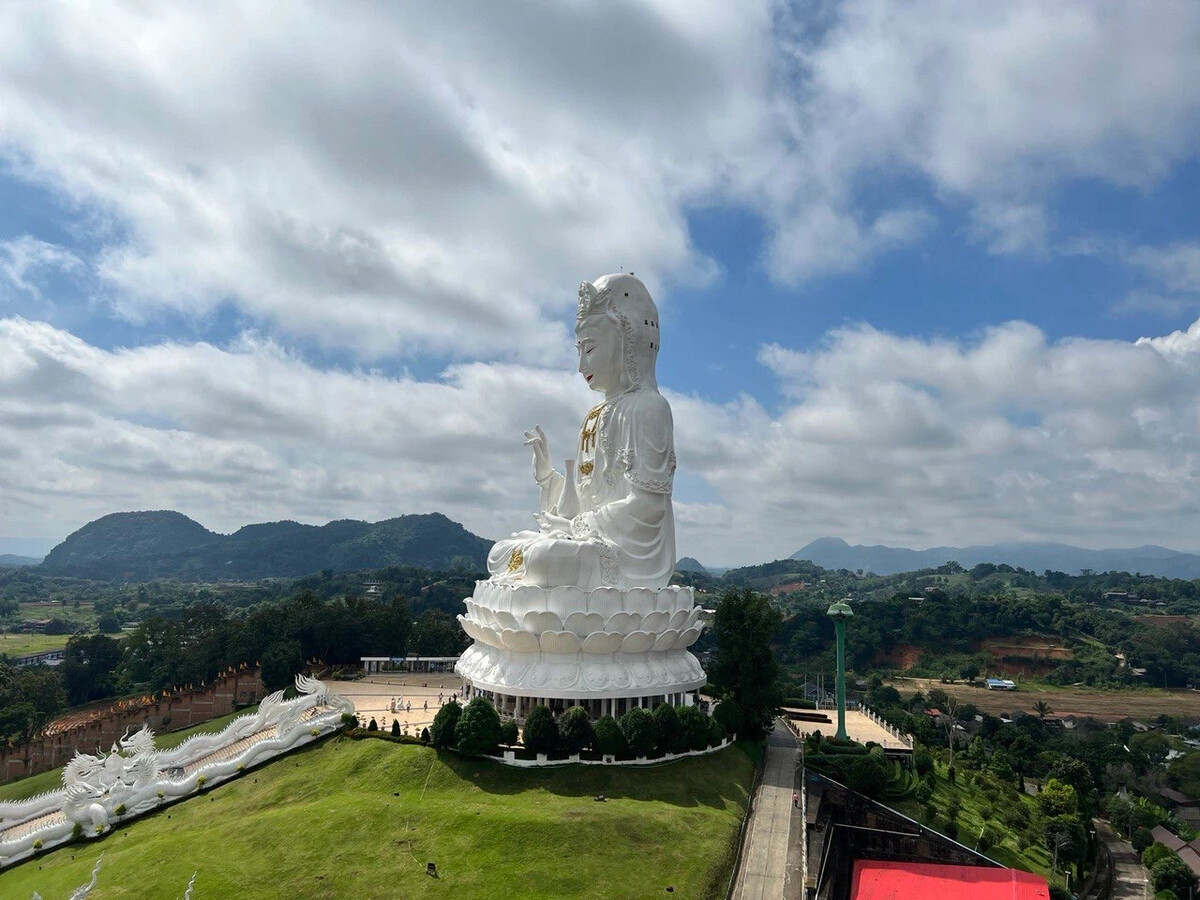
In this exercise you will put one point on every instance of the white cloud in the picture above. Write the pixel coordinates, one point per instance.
(399, 178)
(881, 438)
(24, 260)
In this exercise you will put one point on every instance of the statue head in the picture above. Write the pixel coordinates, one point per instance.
(617, 335)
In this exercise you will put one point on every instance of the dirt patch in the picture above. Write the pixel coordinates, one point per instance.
(1162, 621)
(899, 656)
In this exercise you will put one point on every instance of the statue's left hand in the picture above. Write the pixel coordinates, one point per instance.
(554, 526)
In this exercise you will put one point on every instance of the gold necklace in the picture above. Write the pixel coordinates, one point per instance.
(591, 425)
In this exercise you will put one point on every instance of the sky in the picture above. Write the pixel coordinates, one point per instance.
(928, 272)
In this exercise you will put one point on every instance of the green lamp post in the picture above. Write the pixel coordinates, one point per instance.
(840, 611)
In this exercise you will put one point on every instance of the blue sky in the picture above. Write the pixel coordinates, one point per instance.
(928, 273)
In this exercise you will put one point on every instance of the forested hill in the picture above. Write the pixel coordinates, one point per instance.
(11, 561)
(140, 546)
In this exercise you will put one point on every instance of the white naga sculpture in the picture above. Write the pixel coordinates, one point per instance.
(580, 610)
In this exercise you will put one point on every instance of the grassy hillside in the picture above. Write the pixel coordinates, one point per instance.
(361, 819)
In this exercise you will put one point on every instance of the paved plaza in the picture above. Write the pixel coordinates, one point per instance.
(859, 727)
(424, 693)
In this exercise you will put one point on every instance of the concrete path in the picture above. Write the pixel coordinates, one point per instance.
(1130, 878)
(763, 872)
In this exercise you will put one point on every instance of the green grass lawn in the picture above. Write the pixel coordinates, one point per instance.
(360, 819)
(1008, 852)
(48, 781)
(17, 644)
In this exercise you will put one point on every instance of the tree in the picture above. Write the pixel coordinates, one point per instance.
(1057, 799)
(575, 730)
(1172, 874)
(280, 663)
(88, 667)
(395, 728)
(1042, 708)
(442, 733)
(695, 727)
(744, 668)
(729, 715)
(609, 739)
(670, 737)
(109, 623)
(1143, 839)
(541, 731)
(477, 732)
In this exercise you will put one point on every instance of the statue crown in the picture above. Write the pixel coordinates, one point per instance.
(590, 300)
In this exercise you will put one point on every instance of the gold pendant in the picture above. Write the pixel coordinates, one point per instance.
(516, 561)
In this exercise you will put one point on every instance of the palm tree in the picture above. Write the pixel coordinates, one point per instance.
(1042, 708)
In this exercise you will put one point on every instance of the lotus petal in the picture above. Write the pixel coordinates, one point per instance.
(667, 600)
(688, 637)
(537, 622)
(505, 619)
(640, 600)
(666, 640)
(655, 622)
(638, 642)
(559, 642)
(693, 617)
(527, 598)
(624, 623)
(520, 641)
(584, 624)
(678, 619)
(605, 601)
(566, 599)
(602, 642)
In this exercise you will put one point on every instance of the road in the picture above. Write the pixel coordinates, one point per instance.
(763, 872)
(1130, 879)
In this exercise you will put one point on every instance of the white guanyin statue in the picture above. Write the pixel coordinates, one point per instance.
(608, 520)
(581, 611)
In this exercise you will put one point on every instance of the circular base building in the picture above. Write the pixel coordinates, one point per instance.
(606, 650)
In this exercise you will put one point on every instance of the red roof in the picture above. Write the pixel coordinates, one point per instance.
(878, 880)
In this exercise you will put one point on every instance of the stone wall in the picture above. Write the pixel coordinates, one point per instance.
(98, 729)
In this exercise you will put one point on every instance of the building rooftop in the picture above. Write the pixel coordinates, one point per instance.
(882, 880)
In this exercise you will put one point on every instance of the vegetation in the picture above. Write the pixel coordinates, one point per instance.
(362, 818)
(541, 731)
(744, 671)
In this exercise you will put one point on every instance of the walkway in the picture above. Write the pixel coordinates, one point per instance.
(763, 872)
(1130, 879)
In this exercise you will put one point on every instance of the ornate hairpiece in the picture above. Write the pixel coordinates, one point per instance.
(590, 300)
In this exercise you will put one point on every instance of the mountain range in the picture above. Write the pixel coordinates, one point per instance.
(12, 561)
(139, 546)
(835, 553)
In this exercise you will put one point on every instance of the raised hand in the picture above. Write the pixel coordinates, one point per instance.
(536, 441)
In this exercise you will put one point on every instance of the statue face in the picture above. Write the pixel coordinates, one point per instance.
(598, 340)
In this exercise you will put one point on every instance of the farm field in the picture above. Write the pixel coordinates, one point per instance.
(1102, 705)
(361, 819)
(17, 644)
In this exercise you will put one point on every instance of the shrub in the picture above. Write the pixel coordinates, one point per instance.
(928, 813)
(1142, 838)
(716, 733)
(922, 762)
(350, 720)
(541, 731)
(638, 728)
(986, 812)
(668, 730)
(695, 727)
(37, 845)
(77, 831)
(922, 793)
(395, 728)
(1154, 853)
(950, 773)
(201, 781)
(1165, 895)
(372, 725)
(509, 732)
(729, 714)
(316, 732)
(425, 736)
(575, 730)
(609, 739)
(1172, 874)
(952, 830)
(160, 795)
(477, 732)
(120, 809)
(444, 723)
